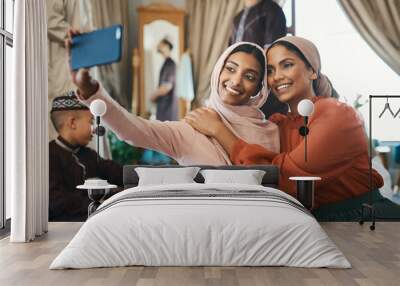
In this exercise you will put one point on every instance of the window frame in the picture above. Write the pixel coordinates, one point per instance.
(6, 39)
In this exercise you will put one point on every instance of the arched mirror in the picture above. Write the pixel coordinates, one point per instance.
(161, 44)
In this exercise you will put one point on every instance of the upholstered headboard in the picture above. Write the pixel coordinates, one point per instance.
(270, 179)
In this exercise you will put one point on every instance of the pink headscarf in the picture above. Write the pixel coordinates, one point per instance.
(245, 121)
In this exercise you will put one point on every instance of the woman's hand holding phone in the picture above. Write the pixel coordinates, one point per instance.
(87, 86)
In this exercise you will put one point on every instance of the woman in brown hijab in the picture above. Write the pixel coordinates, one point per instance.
(337, 143)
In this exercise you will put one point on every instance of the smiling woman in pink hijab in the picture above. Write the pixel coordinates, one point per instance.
(238, 89)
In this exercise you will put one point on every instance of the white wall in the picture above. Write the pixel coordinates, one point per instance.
(353, 67)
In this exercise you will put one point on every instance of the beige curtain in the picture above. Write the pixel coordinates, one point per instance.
(210, 23)
(103, 13)
(378, 22)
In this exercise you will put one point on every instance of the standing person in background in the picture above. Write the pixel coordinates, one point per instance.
(261, 22)
(164, 96)
(61, 16)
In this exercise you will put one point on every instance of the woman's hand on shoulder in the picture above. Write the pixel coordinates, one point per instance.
(205, 120)
(87, 86)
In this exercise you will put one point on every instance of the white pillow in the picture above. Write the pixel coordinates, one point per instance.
(164, 176)
(248, 177)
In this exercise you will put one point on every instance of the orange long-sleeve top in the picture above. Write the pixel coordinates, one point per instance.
(337, 151)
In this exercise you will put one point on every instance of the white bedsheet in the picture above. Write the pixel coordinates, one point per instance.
(200, 231)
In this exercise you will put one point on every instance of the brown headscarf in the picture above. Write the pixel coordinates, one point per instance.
(323, 86)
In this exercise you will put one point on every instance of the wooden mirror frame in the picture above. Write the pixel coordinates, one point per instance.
(148, 14)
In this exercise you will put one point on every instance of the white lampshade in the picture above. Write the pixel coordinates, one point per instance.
(98, 107)
(305, 107)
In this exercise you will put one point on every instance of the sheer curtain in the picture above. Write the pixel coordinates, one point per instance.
(26, 124)
(378, 22)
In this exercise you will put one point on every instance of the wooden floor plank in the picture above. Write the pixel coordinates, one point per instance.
(374, 255)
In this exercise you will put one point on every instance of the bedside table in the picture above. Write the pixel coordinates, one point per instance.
(305, 190)
(95, 194)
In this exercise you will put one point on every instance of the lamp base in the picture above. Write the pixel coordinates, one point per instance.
(97, 190)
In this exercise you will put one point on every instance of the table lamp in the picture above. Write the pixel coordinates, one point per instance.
(97, 188)
(305, 109)
(305, 184)
(98, 108)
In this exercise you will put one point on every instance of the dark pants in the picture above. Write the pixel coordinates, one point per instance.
(350, 210)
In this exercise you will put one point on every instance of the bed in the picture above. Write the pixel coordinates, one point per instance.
(201, 224)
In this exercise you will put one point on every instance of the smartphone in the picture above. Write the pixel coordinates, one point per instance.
(100, 47)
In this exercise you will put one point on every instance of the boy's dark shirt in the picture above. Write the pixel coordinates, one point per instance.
(66, 171)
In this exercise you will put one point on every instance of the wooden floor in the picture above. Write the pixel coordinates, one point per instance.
(374, 255)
